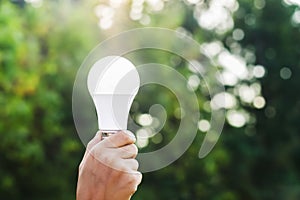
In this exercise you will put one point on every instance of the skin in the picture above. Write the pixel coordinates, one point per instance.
(108, 170)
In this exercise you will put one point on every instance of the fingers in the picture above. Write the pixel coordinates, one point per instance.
(119, 139)
(139, 177)
(118, 151)
(131, 182)
(135, 181)
(94, 141)
(128, 151)
(131, 165)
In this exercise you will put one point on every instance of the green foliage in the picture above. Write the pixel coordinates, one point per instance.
(39, 147)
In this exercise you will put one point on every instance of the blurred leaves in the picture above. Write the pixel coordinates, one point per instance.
(39, 55)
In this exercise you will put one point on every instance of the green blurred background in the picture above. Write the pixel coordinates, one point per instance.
(43, 43)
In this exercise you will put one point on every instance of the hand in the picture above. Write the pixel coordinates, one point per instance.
(108, 170)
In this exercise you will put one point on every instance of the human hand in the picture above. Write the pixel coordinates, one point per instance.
(108, 170)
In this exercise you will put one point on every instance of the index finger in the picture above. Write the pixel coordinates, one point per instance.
(119, 139)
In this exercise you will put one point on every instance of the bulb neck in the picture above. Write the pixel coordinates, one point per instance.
(107, 134)
(112, 111)
(109, 131)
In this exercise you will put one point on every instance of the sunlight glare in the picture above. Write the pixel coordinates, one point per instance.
(296, 17)
(234, 64)
(203, 125)
(212, 49)
(259, 71)
(144, 119)
(228, 78)
(236, 118)
(246, 93)
(292, 2)
(223, 100)
(259, 102)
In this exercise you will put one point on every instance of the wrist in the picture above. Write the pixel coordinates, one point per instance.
(90, 192)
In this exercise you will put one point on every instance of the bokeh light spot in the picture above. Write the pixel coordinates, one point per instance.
(270, 112)
(144, 119)
(259, 71)
(296, 17)
(238, 34)
(157, 138)
(246, 93)
(193, 82)
(259, 4)
(285, 73)
(203, 125)
(236, 118)
(223, 100)
(259, 102)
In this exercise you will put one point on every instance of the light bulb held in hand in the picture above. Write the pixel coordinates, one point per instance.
(113, 83)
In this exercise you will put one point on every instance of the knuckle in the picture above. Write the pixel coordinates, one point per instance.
(132, 149)
(127, 136)
(135, 164)
(139, 178)
(109, 141)
(93, 141)
(132, 166)
(92, 152)
(133, 182)
(95, 150)
(135, 149)
(89, 145)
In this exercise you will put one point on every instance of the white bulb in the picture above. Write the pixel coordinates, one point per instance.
(113, 82)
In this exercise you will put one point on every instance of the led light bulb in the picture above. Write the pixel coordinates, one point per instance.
(113, 83)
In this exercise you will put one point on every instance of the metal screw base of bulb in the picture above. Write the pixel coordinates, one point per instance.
(107, 134)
